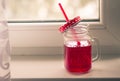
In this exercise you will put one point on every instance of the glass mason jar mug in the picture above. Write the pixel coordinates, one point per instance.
(78, 47)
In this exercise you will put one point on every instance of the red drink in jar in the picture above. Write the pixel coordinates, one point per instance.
(77, 45)
(77, 57)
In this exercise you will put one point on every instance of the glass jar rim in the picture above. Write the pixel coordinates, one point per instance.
(78, 29)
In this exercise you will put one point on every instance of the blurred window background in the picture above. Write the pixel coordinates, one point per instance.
(48, 10)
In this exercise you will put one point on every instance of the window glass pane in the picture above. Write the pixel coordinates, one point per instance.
(42, 10)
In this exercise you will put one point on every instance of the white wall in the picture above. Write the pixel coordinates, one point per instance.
(113, 18)
(110, 36)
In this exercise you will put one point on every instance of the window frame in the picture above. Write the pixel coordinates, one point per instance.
(36, 47)
(93, 24)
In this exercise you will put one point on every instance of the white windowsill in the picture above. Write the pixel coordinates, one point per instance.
(53, 67)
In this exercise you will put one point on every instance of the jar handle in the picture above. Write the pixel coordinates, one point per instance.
(97, 46)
